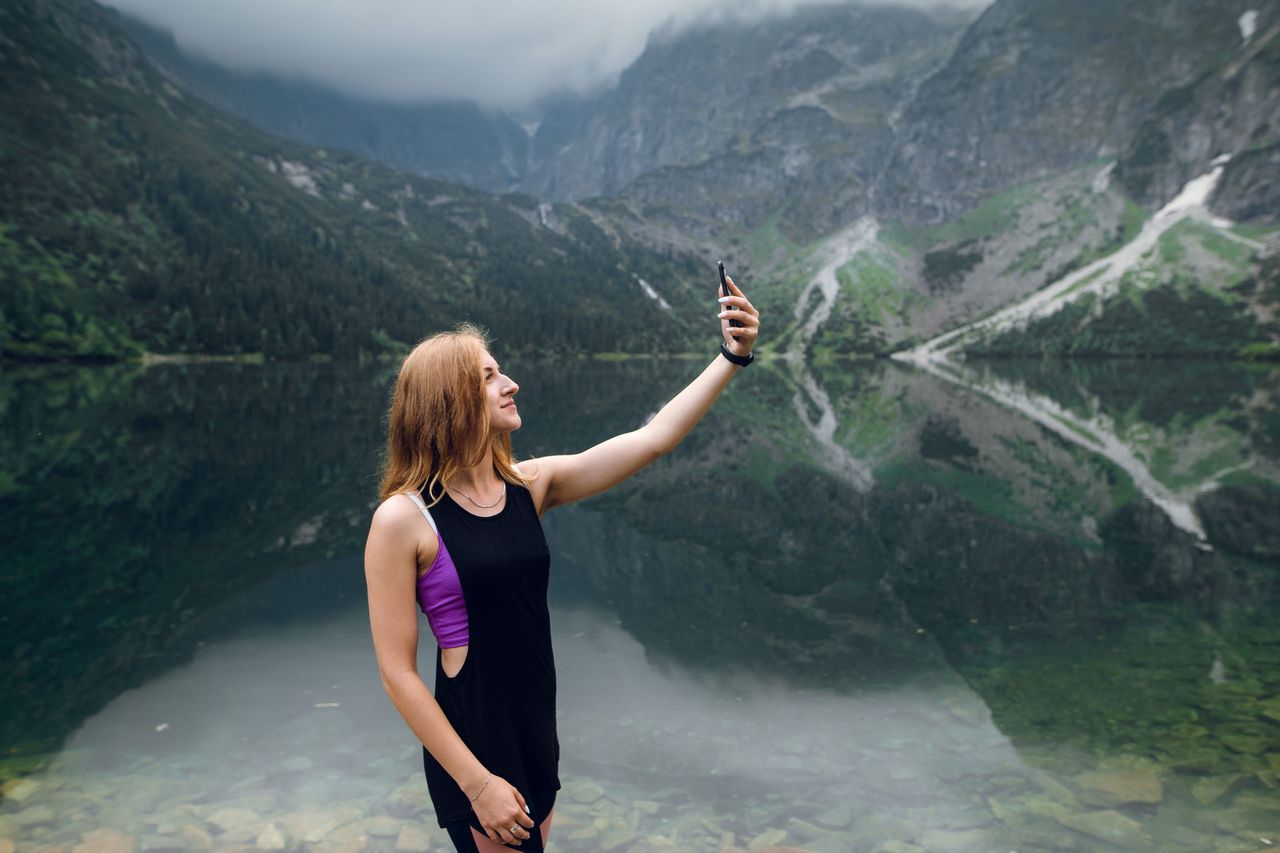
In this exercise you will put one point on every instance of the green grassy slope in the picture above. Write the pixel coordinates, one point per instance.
(1197, 294)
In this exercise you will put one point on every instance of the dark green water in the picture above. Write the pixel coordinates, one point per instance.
(862, 607)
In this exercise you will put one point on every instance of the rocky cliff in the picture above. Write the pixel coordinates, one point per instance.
(745, 119)
(825, 114)
(1230, 109)
(1037, 88)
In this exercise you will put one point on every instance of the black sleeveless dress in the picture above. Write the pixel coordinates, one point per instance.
(502, 702)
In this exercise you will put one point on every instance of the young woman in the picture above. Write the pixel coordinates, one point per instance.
(458, 534)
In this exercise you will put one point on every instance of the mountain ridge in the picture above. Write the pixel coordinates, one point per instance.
(989, 159)
(134, 217)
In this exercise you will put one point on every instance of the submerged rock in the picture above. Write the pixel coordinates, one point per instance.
(20, 790)
(407, 800)
(768, 838)
(195, 837)
(614, 839)
(413, 839)
(1118, 787)
(382, 826)
(1246, 744)
(272, 837)
(105, 841)
(836, 817)
(646, 807)
(948, 841)
(899, 847)
(1110, 826)
(315, 825)
(1210, 790)
(237, 824)
(33, 816)
(583, 790)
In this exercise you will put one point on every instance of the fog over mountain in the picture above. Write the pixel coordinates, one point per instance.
(499, 53)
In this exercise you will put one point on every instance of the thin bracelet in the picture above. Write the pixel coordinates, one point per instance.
(482, 787)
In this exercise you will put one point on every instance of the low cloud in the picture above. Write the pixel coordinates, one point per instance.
(501, 53)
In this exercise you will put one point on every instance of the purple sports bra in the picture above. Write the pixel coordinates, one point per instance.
(440, 592)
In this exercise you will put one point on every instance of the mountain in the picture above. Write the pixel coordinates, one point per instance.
(728, 122)
(135, 217)
(879, 175)
(1228, 109)
(1037, 88)
(455, 141)
(789, 116)
(1062, 141)
(832, 112)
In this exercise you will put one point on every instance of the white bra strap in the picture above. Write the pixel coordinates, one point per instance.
(417, 498)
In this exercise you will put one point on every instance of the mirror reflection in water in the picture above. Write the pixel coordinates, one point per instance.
(862, 607)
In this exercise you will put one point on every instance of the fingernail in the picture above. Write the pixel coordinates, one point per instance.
(723, 299)
(723, 314)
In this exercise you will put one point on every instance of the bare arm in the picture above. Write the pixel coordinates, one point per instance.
(391, 570)
(573, 477)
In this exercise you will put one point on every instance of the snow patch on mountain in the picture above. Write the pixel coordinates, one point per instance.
(1248, 26)
(1099, 277)
(837, 251)
(1098, 434)
(298, 175)
(651, 293)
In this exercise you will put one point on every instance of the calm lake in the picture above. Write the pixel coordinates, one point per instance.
(864, 607)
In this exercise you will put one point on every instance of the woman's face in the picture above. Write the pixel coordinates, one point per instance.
(500, 394)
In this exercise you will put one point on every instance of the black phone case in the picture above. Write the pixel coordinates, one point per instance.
(724, 291)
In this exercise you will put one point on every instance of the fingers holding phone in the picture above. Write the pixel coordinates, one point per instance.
(739, 319)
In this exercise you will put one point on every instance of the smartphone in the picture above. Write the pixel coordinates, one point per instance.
(724, 291)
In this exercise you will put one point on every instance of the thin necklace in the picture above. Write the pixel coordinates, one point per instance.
(477, 503)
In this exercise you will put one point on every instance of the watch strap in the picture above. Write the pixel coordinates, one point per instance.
(740, 360)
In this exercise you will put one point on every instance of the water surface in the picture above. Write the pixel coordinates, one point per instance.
(1003, 606)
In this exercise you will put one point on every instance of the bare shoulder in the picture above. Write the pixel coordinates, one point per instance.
(398, 527)
(395, 514)
(538, 474)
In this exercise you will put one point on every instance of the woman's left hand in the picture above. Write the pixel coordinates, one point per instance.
(738, 339)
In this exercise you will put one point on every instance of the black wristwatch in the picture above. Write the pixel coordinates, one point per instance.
(740, 360)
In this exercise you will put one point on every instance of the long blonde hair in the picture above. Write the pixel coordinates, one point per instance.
(439, 421)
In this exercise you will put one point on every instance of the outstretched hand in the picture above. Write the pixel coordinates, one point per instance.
(738, 339)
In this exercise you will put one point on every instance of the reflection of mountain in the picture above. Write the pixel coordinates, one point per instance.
(976, 515)
(1173, 464)
(134, 501)
(747, 548)
(1024, 557)
(1096, 435)
(810, 398)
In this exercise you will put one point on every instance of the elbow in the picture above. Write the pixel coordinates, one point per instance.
(393, 681)
(661, 446)
(657, 443)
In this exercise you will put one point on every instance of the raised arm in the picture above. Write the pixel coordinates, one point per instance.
(576, 476)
